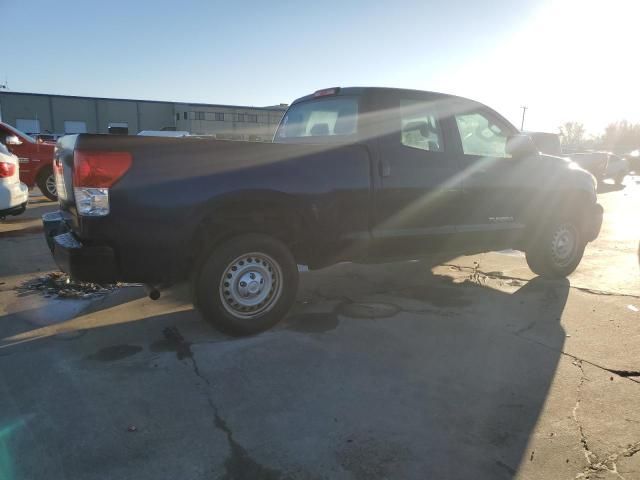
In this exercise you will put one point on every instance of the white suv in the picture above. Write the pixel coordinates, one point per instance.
(13, 193)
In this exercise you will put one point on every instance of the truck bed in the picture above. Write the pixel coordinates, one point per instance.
(178, 188)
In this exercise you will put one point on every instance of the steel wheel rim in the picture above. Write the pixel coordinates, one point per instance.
(564, 245)
(250, 285)
(50, 185)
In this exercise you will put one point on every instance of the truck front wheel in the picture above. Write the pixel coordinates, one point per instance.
(247, 284)
(558, 249)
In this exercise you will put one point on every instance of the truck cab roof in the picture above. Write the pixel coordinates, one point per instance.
(376, 91)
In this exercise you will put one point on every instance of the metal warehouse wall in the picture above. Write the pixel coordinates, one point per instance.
(110, 111)
(228, 122)
(52, 111)
(13, 106)
(155, 116)
(71, 109)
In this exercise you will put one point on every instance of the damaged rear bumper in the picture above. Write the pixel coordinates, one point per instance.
(89, 263)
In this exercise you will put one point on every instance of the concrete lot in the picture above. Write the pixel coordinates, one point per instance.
(405, 370)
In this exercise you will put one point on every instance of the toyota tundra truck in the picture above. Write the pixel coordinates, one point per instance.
(353, 174)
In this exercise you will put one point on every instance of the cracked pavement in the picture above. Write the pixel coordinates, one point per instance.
(467, 367)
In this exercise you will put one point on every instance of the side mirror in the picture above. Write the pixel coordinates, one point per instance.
(520, 146)
(12, 140)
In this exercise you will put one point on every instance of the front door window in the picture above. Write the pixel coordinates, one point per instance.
(480, 136)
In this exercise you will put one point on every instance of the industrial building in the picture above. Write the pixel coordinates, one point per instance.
(37, 113)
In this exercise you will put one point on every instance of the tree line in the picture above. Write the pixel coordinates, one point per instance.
(619, 137)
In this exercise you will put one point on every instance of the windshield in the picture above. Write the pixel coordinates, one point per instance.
(320, 120)
(21, 134)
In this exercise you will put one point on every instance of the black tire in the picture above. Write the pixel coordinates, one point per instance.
(46, 183)
(222, 294)
(548, 258)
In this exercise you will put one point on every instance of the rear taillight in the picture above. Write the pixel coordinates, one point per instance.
(58, 175)
(99, 169)
(93, 174)
(7, 169)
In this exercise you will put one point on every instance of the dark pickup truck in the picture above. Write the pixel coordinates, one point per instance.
(353, 174)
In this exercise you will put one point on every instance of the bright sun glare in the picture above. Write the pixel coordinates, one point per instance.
(572, 60)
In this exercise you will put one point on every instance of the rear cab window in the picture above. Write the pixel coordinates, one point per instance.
(420, 125)
(320, 120)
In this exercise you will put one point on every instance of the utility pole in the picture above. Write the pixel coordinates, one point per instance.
(524, 110)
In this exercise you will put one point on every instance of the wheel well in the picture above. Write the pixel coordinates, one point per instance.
(575, 206)
(564, 204)
(42, 171)
(282, 224)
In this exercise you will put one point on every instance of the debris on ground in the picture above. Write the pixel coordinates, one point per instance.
(59, 285)
(476, 275)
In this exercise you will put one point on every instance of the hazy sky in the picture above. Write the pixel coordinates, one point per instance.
(564, 59)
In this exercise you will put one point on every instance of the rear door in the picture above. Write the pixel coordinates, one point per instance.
(417, 200)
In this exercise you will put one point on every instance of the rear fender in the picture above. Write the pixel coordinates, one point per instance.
(272, 213)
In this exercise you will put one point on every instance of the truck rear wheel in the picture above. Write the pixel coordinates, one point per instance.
(47, 184)
(247, 284)
(558, 250)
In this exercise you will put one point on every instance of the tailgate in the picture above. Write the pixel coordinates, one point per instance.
(63, 171)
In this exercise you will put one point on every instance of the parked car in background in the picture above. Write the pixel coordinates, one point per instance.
(547, 143)
(594, 162)
(36, 159)
(14, 194)
(354, 174)
(633, 158)
(48, 137)
(617, 168)
(164, 133)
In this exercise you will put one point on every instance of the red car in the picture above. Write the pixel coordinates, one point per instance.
(36, 159)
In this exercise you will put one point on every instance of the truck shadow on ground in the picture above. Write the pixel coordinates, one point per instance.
(465, 377)
(398, 373)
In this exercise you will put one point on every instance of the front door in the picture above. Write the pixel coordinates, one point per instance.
(417, 202)
(494, 184)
